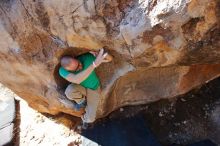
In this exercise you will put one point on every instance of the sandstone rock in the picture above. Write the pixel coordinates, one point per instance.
(161, 48)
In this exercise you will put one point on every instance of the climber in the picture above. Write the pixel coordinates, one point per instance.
(84, 89)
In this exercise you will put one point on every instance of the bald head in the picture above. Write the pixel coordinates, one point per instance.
(65, 61)
(69, 63)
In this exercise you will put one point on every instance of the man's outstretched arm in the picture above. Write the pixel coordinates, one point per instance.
(78, 78)
(108, 57)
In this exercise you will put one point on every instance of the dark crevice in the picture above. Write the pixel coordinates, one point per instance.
(61, 82)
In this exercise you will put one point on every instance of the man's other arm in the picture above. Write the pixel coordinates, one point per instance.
(80, 77)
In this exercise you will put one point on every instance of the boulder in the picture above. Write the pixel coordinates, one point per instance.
(161, 48)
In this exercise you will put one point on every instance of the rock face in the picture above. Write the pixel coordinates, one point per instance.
(161, 48)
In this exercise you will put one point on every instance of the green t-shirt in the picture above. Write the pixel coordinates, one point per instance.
(92, 81)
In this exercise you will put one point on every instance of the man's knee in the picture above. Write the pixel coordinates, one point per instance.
(68, 91)
(74, 91)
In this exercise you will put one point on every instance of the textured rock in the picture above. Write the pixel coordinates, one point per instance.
(161, 48)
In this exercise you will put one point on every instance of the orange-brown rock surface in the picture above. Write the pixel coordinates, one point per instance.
(161, 48)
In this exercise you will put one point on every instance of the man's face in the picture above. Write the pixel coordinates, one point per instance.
(74, 65)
